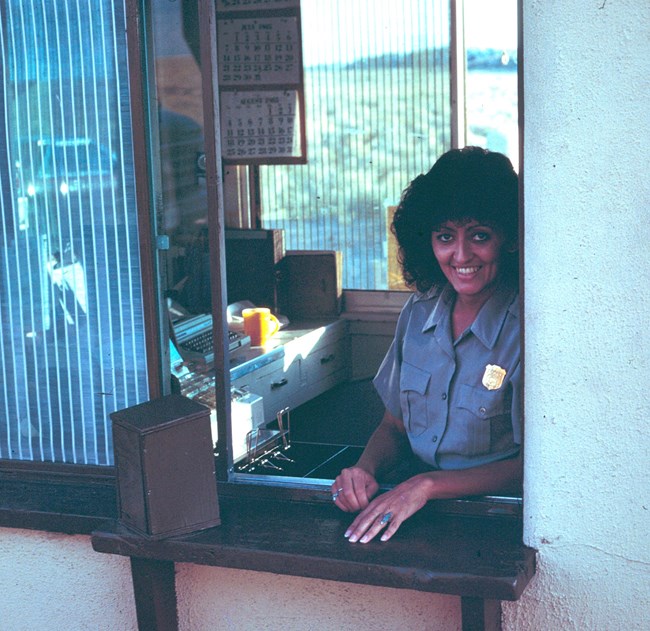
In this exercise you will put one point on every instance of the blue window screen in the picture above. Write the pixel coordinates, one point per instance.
(71, 314)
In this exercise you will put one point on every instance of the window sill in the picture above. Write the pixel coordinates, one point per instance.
(57, 498)
(363, 303)
(465, 556)
(471, 548)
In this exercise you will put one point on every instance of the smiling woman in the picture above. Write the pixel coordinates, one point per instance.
(469, 184)
(451, 379)
(469, 255)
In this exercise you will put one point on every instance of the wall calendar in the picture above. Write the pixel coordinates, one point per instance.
(259, 51)
(261, 82)
(260, 124)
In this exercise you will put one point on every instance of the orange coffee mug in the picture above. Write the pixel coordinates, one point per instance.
(260, 324)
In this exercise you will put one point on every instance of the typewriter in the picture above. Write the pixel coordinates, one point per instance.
(194, 334)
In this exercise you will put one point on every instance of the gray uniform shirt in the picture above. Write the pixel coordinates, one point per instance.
(459, 400)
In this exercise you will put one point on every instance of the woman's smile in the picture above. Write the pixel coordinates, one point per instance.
(469, 254)
(466, 271)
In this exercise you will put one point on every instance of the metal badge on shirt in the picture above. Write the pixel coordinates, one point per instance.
(493, 376)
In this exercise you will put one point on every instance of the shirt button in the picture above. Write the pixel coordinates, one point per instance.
(482, 411)
(435, 438)
(444, 396)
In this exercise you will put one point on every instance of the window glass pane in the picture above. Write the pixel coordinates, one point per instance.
(491, 77)
(378, 113)
(184, 216)
(71, 327)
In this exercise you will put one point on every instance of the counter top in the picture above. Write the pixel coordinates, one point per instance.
(297, 338)
(465, 556)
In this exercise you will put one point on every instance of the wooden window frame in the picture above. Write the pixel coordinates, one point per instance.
(82, 500)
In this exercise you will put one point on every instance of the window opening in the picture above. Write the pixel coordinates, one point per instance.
(491, 76)
(378, 113)
(307, 364)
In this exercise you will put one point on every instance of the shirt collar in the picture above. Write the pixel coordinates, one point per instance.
(489, 321)
(487, 325)
(445, 298)
(430, 294)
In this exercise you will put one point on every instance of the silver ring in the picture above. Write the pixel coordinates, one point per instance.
(335, 495)
(386, 518)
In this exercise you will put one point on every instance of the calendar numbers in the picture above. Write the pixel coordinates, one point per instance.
(259, 51)
(258, 124)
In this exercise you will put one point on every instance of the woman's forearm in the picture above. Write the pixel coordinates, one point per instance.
(504, 476)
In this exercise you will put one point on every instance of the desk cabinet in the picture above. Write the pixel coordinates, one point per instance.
(315, 358)
(277, 384)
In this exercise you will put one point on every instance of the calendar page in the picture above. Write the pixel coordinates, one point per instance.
(248, 5)
(261, 88)
(260, 125)
(259, 51)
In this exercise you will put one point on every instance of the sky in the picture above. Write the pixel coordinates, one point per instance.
(375, 27)
(491, 24)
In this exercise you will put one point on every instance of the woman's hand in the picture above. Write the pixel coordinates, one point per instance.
(355, 486)
(390, 510)
(353, 489)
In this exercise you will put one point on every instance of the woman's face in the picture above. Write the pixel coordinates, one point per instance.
(469, 255)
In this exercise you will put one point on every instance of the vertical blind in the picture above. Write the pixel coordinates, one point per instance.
(71, 328)
(377, 98)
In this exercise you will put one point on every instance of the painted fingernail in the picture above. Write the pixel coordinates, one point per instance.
(347, 533)
(353, 538)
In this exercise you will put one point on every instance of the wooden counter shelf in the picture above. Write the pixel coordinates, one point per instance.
(480, 559)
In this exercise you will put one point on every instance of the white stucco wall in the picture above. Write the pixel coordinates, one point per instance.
(587, 367)
(53, 582)
(587, 200)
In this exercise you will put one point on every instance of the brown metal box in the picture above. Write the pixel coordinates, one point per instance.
(311, 284)
(166, 483)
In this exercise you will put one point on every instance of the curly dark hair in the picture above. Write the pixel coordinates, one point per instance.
(464, 184)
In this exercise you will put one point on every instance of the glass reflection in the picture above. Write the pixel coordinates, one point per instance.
(71, 328)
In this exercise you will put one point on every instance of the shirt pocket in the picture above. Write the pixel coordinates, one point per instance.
(478, 411)
(414, 383)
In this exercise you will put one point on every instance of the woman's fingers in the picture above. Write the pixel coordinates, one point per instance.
(353, 489)
(364, 488)
(387, 512)
(391, 529)
(371, 522)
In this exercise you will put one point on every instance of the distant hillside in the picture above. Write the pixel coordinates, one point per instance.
(491, 59)
(477, 59)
